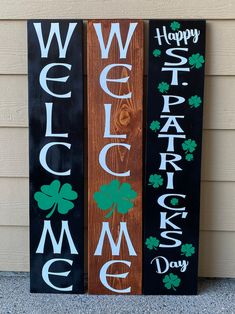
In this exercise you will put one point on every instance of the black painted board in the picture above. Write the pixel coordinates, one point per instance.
(176, 59)
(56, 146)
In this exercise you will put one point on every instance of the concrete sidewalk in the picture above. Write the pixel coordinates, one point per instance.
(215, 296)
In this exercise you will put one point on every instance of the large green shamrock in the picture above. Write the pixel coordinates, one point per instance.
(152, 243)
(196, 60)
(194, 101)
(171, 281)
(156, 52)
(175, 26)
(163, 87)
(54, 195)
(155, 180)
(187, 250)
(174, 201)
(189, 146)
(115, 196)
(155, 125)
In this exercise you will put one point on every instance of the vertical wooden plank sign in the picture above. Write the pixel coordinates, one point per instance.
(56, 156)
(173, 156)
(115, 79)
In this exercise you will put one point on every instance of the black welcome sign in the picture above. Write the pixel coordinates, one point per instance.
(56, 156)
(173, 156)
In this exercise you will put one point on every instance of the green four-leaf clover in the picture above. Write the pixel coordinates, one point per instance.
(171, 281)
(189, 157)
(155, 180)
(115, 196)
(54, 196)
(175, 26)
(174, 201)
(196, 60)
(157, 52)
(155, 125)
(152, 243)
(163, 87)
(187, 249)
(194, 101)
(189, 146)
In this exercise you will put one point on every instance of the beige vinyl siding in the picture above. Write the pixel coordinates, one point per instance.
(148, 9)
(217, 235)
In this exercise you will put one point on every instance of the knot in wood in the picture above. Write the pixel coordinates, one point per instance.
(124, 117)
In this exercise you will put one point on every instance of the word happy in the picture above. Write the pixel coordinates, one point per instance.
(177, 37)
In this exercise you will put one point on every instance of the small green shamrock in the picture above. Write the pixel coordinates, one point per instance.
(115, 196)
(152, 243)
(163, 87)
(196, 60)
(189, 157)
(194, 101)
(54, 195)
(155, 180)
(189, 146)
(175, 26)
(155, 125)
(171, 281)
(157, 52)
(174, 201)
(187, 250)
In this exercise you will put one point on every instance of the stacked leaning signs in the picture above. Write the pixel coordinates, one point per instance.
(138, 242)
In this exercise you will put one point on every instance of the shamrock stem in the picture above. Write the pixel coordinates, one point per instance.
(111, 212)
(173, 288)
(52, 211)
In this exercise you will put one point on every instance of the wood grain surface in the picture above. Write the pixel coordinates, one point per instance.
(126, 118)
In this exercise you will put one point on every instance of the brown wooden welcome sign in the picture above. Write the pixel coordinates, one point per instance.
(115, 90)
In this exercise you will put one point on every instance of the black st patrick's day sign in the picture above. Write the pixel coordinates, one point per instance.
(56, 156)
(173, 156)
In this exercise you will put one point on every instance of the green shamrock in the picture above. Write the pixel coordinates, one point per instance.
(187, 250)
(157, 52)
(155, 180)
(115, 196)
(189, 146)
(189, 157)
(175, 26)
(194, 101)
(196, 60)
(54, 195)
(155, 125)
(163, 87)
(174, 201)
(171, 281)
(152, 243)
